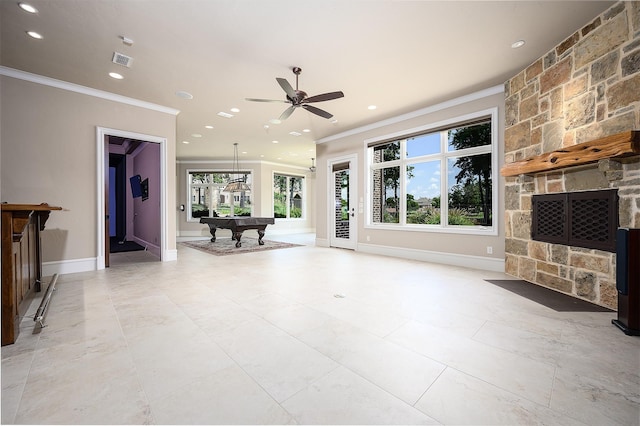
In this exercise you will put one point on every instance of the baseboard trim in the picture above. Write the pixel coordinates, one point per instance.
(72, 266)
(473, 262)
(170, 255)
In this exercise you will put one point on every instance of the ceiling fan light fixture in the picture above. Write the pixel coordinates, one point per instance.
(298, 98)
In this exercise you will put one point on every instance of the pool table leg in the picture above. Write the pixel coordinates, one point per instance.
(236, 236)
(212, 231)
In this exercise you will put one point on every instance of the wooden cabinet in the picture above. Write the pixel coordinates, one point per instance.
(21, 261)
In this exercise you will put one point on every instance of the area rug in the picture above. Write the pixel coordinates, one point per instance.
(552, 299)
(227, 246)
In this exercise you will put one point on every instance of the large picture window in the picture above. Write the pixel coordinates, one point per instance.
(438, 179)
(288, 196)
(207, 198)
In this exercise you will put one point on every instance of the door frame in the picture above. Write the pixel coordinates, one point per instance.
(352, 159)
(102, 134)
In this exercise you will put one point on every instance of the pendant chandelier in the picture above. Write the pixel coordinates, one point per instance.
(236, 184)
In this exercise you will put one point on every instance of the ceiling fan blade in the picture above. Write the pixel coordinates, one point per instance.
(317, 111)
(324, 97)
(266, 100)
(287, 112)
(287, 88)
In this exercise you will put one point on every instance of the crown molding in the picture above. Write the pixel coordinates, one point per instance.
(423, 111)
(71, 87)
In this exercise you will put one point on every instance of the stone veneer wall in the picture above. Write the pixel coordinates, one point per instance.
(585, 88)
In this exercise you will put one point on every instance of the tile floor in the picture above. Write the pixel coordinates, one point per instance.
(260, 338)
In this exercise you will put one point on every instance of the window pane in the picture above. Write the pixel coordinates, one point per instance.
(386, 192)
(469, 190)
(387, 152)
(200, 201)
(423, 145)
(279, 196)
(470, 136)
(200, 177)
(423, 193)
(295, 197)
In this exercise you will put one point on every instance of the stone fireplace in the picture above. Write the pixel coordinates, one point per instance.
(585, 89)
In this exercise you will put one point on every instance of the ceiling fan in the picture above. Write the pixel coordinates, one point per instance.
(298, 98)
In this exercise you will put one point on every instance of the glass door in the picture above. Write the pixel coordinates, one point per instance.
(343, 204)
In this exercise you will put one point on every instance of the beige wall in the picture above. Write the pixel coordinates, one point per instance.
(48, 150)
(261, 194)
(393, 240)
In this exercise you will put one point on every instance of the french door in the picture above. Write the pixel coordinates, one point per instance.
(342, 202)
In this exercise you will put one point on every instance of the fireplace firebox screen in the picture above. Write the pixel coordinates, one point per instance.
(586, 219)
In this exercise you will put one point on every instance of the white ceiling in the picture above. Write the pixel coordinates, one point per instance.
(398, 55)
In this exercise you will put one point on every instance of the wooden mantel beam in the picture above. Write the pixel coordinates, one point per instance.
(624, 144)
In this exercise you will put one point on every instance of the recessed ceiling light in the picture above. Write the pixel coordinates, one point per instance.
(208, 127)
(517, 44)
(28, 8)
(261, 155)
(196, 135)
(116, 75)
(275, 121)
(225, 114)
(243, 152)
(274, 141)
(126, 41)
(185, 142)
(234, 109)
(35, 35)
(334, 121)
(184, 95)
(372, 107)
(295, 133)
(306, 130)
(266, 127)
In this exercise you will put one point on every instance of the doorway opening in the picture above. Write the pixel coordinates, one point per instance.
(131, 217)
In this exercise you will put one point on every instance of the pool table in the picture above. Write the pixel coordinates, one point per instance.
(237, 225)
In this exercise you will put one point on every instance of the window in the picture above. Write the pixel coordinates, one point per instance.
(438, 178)
(207, 198)
(288, 196)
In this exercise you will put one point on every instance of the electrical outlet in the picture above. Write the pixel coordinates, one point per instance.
(489, 250)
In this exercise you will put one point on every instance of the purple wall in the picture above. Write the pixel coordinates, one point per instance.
(146, 220)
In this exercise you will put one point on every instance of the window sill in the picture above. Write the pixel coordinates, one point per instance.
(468, 230)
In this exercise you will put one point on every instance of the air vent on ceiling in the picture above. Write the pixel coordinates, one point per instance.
(120, 59)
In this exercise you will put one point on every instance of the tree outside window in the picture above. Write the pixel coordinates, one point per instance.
(288, 196)
(416, 180)
(207, 198)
